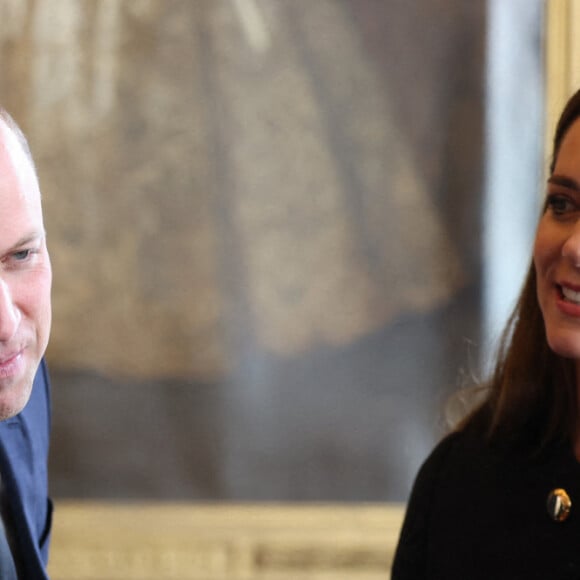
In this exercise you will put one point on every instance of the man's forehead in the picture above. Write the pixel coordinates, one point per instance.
(21, 220)
(10, 146)
(15, 166)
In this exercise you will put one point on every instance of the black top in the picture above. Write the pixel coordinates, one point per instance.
(479, 512)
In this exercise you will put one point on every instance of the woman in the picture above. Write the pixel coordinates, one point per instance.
(500, 497)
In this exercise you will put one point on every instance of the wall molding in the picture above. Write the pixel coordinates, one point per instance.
(190, 541)
(562, 58)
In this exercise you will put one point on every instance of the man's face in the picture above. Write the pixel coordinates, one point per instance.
(25, 277)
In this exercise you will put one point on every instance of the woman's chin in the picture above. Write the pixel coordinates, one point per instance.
(565, 345)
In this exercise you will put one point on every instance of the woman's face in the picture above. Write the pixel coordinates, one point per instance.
(557, 250)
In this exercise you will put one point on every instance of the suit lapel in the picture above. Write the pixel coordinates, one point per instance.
(18, 494)
(23, 467)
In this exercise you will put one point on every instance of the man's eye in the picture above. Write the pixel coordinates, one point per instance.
(21, 255)
(560, 204)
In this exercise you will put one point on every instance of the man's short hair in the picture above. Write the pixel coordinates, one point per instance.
(15, 128)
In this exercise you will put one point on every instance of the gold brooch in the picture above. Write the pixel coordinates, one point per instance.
(559, 505)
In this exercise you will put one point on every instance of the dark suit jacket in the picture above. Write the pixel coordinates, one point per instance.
(479, 512)
(24, 441)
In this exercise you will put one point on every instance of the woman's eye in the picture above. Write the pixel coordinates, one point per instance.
(560, 204)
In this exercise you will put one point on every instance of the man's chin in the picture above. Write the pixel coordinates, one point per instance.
(14, 397)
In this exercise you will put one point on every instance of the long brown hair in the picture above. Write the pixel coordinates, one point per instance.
(532, 391)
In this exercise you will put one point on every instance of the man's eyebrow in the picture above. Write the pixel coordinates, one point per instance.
(564, 182)
(29, 238)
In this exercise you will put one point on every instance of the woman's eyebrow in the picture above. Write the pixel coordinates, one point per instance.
(564, 181)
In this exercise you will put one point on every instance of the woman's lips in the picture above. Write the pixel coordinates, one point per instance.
(568, 299)
(570, 295)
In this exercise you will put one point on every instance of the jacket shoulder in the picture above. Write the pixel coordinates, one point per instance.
(409, 561)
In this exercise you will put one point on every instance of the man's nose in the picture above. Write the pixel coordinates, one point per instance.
(9, 313)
